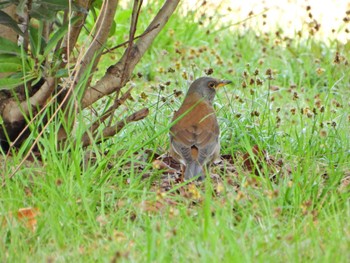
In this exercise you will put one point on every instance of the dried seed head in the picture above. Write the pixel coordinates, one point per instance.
(177, 93)
(143, 95)
(318, 103)
(336, 58)
(259, 81)
(295, 96)
(323, 133)
(254, 113)
(245, 74)
(268, 72)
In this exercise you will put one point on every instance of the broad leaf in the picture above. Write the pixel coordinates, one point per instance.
(9, 83)
(8, 47)
(15, 80)
(6, 20)
(10, 67)
(13, 64)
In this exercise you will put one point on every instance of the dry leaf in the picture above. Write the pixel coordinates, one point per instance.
(27, 216)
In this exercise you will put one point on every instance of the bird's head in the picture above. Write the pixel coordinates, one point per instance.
(206, 87)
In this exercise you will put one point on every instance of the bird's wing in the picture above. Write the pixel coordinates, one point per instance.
(197, 129)
(182, 149)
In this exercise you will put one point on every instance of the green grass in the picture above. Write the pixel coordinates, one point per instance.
(107, 211)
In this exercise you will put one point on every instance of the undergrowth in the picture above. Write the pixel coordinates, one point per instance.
(289, 98)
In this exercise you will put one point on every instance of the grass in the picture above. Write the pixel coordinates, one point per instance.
(299, 114)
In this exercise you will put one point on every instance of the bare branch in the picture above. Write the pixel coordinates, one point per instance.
(113, 130)
(133, 25)
(109, 112)
(103, 25)
(126, 42)
(113, 79)
(14, 112)
(71, 39)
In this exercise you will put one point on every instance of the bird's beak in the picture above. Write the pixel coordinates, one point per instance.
(222, 83)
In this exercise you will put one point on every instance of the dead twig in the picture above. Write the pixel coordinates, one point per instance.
(126, 42)
(108, 113)
(113, 130)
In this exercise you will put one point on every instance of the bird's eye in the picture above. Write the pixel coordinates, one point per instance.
(211, 84)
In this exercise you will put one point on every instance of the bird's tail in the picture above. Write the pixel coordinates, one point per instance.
(194, 169)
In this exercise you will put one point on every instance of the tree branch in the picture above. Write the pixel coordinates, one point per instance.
(133, 24)
(103, 26)
(113, 79)
(113, 130)
(126, 42)
(108, 113)
(71, 39)
(14, 112)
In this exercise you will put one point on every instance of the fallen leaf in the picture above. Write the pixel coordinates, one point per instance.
(28, 217)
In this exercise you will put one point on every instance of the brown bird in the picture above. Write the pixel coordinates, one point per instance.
(194, 138)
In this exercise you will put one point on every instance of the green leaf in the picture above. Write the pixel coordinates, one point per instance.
(8, 47)
(4, 58)
(37, 42)
(113, 28)
(43, 13)
(10, 63)
(8, 21)
(63, 72)
(10, 67)
(10, 83)
(15, 80)
(57, 5)
(47, 9)
(57, 36)
(4, 4)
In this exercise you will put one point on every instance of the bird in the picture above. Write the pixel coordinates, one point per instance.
(194, 135)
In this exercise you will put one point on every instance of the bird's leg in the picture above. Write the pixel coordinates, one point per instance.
(182, 173)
